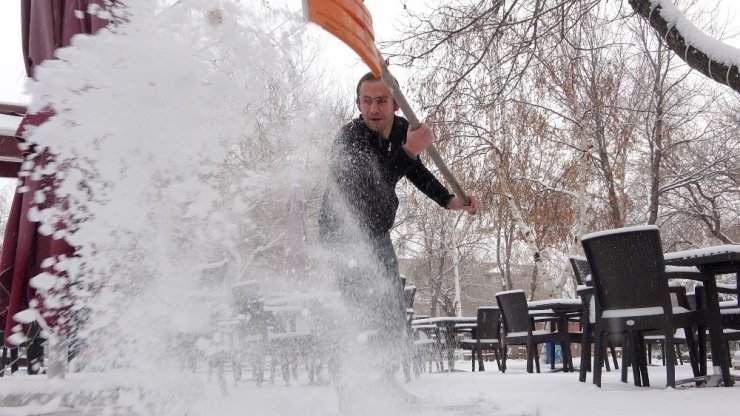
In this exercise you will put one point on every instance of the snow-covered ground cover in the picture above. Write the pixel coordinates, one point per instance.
(441, 394)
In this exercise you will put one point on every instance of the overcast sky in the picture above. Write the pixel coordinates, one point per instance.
(344, 63)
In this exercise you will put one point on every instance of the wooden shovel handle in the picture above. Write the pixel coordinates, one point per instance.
(414, 122)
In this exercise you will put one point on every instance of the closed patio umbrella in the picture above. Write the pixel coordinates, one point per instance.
(46, 26)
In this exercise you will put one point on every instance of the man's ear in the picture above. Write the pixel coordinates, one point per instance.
(395, 106)
(357, 102)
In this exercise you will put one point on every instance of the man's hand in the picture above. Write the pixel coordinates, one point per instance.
(418, 140)
(456, 205)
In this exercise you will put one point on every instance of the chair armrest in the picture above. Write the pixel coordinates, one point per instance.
(686, 272)
(583, 290)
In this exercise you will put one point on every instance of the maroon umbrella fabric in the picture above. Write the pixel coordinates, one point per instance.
(50, 24)
(46, 26)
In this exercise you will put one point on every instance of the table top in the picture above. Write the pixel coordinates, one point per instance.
(555, 305)
(445, 319)
(714, 260)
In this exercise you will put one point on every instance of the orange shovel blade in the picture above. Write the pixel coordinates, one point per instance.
(351, 23)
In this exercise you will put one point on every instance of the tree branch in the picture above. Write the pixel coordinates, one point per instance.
(677, 41)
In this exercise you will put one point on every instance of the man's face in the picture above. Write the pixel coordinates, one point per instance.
(377, 106)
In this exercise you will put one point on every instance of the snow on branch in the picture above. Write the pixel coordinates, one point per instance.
(713, 58)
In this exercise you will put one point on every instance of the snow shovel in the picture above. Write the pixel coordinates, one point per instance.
(351, 23)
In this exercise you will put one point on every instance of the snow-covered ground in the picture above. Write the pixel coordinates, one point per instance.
(445, 394)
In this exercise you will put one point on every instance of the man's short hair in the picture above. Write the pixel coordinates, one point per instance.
(367, 77)
(371, 77)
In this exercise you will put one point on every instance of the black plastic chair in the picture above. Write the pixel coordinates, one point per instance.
(519, 328)
(730, 319)
(677, 290)
(631, 285)
(486, 336)
(427, 348)
(582, 274)
(581, 270)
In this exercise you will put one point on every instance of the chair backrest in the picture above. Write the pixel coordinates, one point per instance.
(581, 270)
(678, 291)
(627, 268)
(691, 299)
(408, 296)
(514, 311)
(488, 323)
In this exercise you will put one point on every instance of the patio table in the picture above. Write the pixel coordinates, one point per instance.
(450, 326)
(562, 310)
(712, 261)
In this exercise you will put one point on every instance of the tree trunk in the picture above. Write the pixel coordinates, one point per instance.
(457, 301)
(657, 134)
(435, 288)
(533, 282)
(615, 214)
(656, 145)
(526, 232)
(504, 265)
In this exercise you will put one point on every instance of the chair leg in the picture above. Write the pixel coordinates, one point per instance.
(625, 360)
(481, 366)
(671, 359)
(530, 363)
(606, 360)
(504, 354)
(644, 378)
(14, 364)
(496, 354)
(701, 339)
(662, 351)
(567, 362)
(4, 361)
(679, 359)
(614, 356)
(626, 357)
(585, 360)
(635, 352)
(552, 355)
(34, 356)
(598, 356)
(691, 347)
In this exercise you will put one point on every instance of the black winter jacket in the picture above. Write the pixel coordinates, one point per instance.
(363, 173)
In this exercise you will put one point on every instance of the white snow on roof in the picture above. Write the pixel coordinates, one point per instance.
(9, 124)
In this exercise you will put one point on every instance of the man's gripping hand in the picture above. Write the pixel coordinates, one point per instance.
(456, 205)
(418, 140)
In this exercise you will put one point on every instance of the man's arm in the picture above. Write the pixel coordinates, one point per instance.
(427, 183)
(417, 141)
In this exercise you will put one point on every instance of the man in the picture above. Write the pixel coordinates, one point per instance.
(369, 156)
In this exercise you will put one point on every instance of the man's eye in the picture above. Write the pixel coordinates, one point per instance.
(381, 100)
(367, 101)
